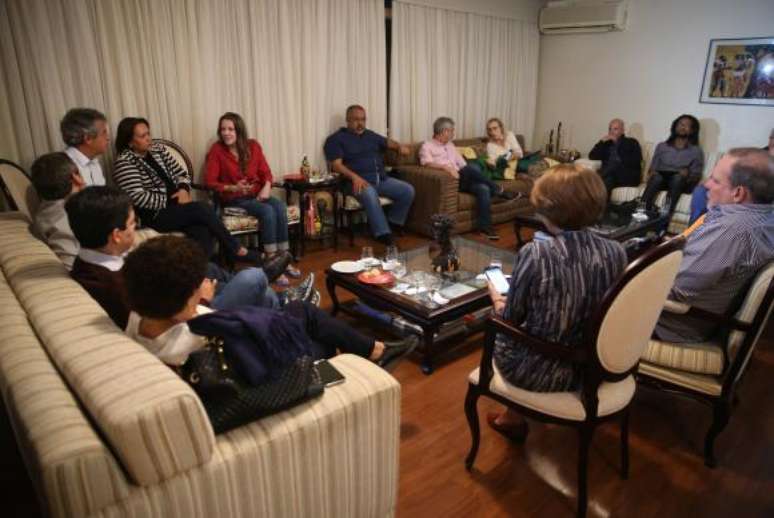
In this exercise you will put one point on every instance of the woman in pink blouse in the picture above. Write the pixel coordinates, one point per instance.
(238, 171)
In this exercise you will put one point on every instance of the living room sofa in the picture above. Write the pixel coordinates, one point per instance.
(106, 429)
(437, 192)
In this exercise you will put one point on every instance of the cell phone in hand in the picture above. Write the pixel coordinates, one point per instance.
(497, 278)
(329, 374)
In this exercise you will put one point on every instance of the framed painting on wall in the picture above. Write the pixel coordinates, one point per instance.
(739, 71)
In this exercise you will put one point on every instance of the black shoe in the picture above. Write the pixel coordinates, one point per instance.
(386, 239)
(275, 265)
(490, 233)
(303, 291)
(508, 195)
(252, 257)
(397, 230)
(396, 351)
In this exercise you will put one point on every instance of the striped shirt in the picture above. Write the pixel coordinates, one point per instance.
(720, 258)
(141, 182)
(557, 284)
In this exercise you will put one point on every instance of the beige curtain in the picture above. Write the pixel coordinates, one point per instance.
(466, 66)
(289, 67)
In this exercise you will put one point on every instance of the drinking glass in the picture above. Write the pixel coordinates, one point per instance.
(367, 255)
(391, 254)
(400, 266)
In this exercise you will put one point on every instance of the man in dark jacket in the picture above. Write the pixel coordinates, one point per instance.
(621, 158)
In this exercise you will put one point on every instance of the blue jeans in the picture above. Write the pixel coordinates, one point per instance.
(273, 217)
(473, 181)
(698, 203)
(402, 195)
(248, 287)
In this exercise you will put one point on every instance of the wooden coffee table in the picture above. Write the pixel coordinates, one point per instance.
(418, 309)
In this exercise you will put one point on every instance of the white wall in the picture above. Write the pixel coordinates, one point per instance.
(649, 74)
(517, 9)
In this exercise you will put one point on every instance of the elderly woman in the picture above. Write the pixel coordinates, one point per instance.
(501, 142)
(160, 191)
(238, 171)
(556, 285)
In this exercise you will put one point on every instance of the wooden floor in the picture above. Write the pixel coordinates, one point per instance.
(667, 474)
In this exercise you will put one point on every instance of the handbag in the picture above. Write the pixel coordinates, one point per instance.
(230, 402)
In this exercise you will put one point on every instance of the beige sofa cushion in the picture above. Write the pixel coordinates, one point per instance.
(701, 358)
(155, 423)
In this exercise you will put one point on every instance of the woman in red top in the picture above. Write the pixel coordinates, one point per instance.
(238, 171)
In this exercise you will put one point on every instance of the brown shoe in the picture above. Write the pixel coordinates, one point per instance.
(517, 433)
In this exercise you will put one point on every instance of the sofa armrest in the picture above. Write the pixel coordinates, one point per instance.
(436, 192)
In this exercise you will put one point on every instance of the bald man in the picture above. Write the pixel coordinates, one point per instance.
(621, 157)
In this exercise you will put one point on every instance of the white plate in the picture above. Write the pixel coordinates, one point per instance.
(347, 267)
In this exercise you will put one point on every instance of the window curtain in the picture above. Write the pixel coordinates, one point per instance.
(465, 66)
(289, 67)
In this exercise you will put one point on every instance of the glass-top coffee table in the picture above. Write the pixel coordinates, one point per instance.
(423, 297)
(617, 223)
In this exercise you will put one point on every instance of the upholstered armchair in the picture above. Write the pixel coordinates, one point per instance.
(612, 346)
(710, 371)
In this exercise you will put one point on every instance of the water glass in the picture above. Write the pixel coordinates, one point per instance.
(391, 254)
(400, 265)
(367, 256)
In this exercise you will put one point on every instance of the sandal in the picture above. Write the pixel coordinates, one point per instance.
(517, 433)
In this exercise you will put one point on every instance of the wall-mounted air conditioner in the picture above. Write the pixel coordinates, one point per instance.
(572, 17)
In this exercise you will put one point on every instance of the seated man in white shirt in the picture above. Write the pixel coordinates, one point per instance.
(85, 132)
(55, 177)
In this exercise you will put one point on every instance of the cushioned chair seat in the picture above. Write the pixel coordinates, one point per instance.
(703, 383)
(567, 405)
(700, 358)
(351, 203)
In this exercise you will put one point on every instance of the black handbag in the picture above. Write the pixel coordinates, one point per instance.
(230, 402)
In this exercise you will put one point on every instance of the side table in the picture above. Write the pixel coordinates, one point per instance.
(303, 187)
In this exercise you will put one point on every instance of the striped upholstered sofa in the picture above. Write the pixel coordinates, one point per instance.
(105, 429)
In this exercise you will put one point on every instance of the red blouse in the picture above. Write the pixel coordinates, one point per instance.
(223, 169)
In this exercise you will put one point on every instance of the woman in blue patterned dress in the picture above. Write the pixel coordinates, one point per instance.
(557, 283)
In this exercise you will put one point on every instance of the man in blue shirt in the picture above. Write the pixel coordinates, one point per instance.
(357, 154)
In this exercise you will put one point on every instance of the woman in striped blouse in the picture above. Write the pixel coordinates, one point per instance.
(160, 191)
(556, 285)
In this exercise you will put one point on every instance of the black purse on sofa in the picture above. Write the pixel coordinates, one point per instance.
(230, 402)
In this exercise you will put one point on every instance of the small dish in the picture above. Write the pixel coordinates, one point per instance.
(347, 267)
(380, 279)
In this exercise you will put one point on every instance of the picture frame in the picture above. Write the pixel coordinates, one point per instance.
(739, 71)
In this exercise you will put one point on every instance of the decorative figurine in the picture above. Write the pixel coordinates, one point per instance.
(448, 260)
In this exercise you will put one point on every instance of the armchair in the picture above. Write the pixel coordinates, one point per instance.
(17, 189)
(612, 346)
(710, 372)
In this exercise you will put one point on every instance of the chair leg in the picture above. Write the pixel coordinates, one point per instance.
(625, 445)
(471, 412)
(351, 229)
(584, 442)
(721, 413)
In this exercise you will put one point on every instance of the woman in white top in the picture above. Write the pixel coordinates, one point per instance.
(501, 142)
